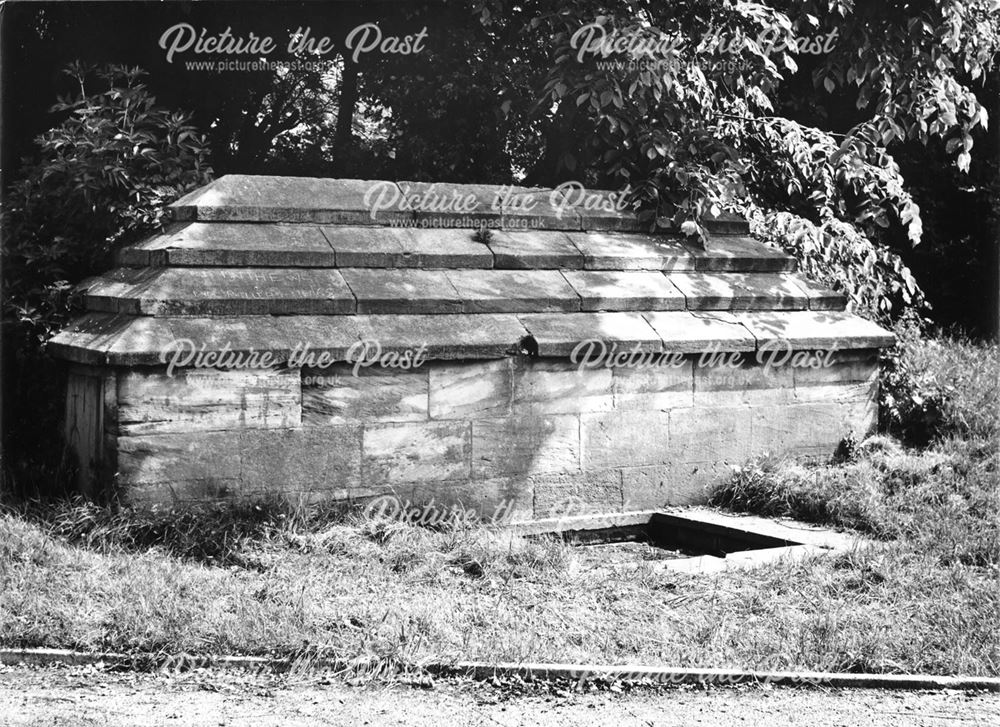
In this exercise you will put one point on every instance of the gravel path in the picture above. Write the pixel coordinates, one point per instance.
(90, 696)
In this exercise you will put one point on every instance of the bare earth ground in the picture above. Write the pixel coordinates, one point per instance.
(87, 696)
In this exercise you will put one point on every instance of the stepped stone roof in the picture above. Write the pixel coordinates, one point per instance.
(253, 264)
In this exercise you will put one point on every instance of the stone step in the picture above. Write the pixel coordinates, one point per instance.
(317, 291)
(123, 340)
(218, 291)
(244, 244)
(246, 198)
(754, 291)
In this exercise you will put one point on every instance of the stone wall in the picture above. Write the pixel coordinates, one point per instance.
(516, 438)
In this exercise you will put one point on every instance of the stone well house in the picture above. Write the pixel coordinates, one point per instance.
(323, 338)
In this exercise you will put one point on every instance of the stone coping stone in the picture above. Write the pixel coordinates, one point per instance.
(616, 290)
(121, 339)
(398, 291)
(753, 291)
(283, 245)
(562, 334)
(739, 253)
(250, 198)
(513, 291)
(615, 251)
(694, 333)
(233, 244)
(219, 291)
(345, 291)
(395, 247)
(534, 250)
(446, 336)
(814, 329)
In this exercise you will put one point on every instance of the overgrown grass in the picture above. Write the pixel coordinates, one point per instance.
(934, 388)
(401, 594)
(943, 500)
(269, 579)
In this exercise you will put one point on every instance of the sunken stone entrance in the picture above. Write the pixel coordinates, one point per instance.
(314, 339)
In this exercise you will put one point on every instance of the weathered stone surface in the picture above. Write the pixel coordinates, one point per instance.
(150, 252)
(207, 457)
(246, 198)
(403, 291)
(318, 459)
(704, 434)
(366, 247)
(108, 293)
(445, 336)
(227, 291)
(631, 251)
(207, 399)
(445, 205)
(470, 389)
(692, 482)
(814, 428)
(574, 494)
(820, 297)
(389, 247)
(559, 334)
(696, 333)
(534, 250)
(221, 342)
(513, 291)
(249, 335)
(833, 367)
(601, 209)
(444, 248)
(858, 392)
(814, 329)
(740, 291)
(234, 244)
(732, 381)
(680, 483)
(306, 340)
(628, 291)
(625, 438)
(863, 413)
(555, 386)
(741, 255)
(86, 339)
(417, 452)
(173, 493)
(537, 209)
(647, 488)
(335, 395)
(666, 385)
(525, 444)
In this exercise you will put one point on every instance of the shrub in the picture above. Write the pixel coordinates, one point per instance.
(102, 179)
(933, 388)
(877, 284)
